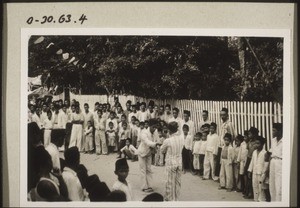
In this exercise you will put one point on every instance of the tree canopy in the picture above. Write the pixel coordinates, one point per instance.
(178, 67)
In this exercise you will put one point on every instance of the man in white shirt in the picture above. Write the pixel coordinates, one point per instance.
(43, 115)
(57, 139)
(167, 113)
(143, 115)
(176, 119)
(205, 119)
(276, 163)
(145, 155)
(76, 134)
(36, 117)
(75, 190)
(63, 118)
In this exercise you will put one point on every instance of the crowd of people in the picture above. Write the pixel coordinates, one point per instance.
(151, 135)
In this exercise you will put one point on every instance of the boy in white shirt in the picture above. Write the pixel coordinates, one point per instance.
(211, 153)
(202, 152)
(178, 120)
(129, 150)
(196, 152)
(143, 115)
(88, 133)
(124, 133)
(133, 113)
(187, 157)
(122, 170)
(256, 167)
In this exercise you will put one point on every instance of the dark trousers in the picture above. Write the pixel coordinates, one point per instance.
(68, 135)
(248, 183)
(218, 162)
(201, 158)
(187, 159)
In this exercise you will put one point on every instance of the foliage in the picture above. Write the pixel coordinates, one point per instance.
(158, 66)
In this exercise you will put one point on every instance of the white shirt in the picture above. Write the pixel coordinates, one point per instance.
(147, 141)
(243, 152)
(143, 116)
(191, 126)
(203, 147)
(87, 117)
(276, 148)
(131, 148)
(126, 189)
(115, 122)
(197, 147)
(257, 162)
(100, 124)
(62, 119)
(77, 117)
(173, 148)
(73, 185)
(48, 124)
(132, 114)
(212, 143)
(188, 141)
(226, 127)
(35, 118)
(43, 116)
(54, 153)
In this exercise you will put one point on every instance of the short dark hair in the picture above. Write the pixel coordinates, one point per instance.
(173, 127)
(85, 104)
(225, 110)
(154, 197)
(205, 111)
(152, 122)
(261, 139)
(229, 136)
(72, 156)
(213, 124)
(176, 109)
(186, 127)
(199, 134)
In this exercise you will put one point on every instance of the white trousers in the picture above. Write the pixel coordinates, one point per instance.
(146, 173)
(100, 142)
(226, 175)
(47, 137)
(209, 165)
(275, 179)
(173, 183)
(76, 137)
(258, 192)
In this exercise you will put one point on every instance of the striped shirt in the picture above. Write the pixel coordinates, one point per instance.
(173, 148)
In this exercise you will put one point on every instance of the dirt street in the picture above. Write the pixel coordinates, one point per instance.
(193, 188)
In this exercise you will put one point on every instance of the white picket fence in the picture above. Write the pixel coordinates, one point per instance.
(261, 115)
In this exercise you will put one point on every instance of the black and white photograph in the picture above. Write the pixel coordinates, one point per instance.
(171, 116)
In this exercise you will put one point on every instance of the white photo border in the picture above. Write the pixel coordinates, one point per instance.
(288, 99)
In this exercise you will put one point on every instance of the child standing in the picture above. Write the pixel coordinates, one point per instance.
(142, 127)
(242, 158)
(122, 170)
(226, 176)
(111, 136)
(88, 132)
(187, 156)
(159, 157)
(202, 152)
(211, 153)
(124, 133)
(196, 152)
(236, 169)
(134, 132)
(256, 168)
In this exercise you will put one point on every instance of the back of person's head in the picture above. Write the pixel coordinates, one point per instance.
(47, 190)
(153, 197)
(152, 122)
(72, 157)
(254, 131)
(173, 127)
(57, 137)
(117, 196)
(34, 134)
(43, 159)
(82, 174)
(121, 164)
(97, 190)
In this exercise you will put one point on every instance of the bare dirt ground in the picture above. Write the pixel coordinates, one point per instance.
(193, 188)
